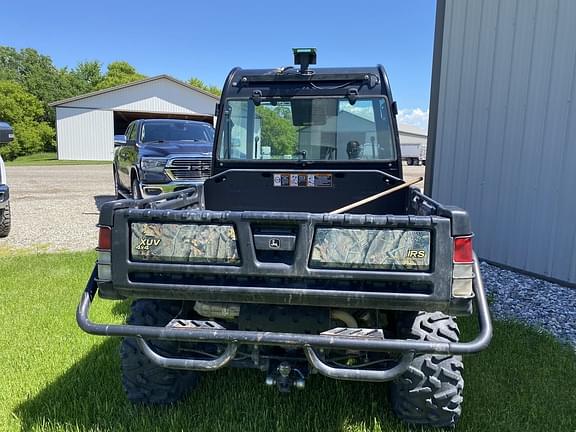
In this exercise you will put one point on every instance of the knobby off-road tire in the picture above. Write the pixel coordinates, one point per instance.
(144, 382)
(5, 221)
(430, 391)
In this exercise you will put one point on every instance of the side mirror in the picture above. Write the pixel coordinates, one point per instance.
(6, 133)
(119, 140)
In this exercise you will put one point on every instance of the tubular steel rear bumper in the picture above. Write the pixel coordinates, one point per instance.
(309, 342)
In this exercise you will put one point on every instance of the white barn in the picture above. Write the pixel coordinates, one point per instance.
(86, 124)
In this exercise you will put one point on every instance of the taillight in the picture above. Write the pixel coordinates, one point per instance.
(463, 250)
(104, 238)
(104, 255)
(463, 270)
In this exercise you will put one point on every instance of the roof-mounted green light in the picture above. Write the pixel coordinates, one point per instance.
(304, 57)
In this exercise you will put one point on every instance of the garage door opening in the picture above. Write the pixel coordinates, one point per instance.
(123, 118)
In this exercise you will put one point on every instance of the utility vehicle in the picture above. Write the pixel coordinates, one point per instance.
(304, 253)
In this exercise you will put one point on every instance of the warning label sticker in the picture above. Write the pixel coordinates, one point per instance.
(302, 180)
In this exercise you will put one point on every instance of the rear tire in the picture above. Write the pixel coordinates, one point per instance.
(143, 381)
(430, 391)
(136, 192)
(5, 221)
(117, 193)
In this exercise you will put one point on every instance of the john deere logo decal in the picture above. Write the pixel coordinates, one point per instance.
(274, 243)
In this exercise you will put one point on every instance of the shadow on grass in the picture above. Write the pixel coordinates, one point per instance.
(523, 382)
(89, 396)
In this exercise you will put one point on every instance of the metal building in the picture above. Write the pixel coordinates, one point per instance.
(502, 135)
(86, 124)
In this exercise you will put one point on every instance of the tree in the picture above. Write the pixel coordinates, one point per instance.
(86, 77)
(197, 82)
(24, 112)
(37, 74)
(277, 132)
(118, 73)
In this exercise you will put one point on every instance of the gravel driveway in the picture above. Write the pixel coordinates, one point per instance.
(56, 207)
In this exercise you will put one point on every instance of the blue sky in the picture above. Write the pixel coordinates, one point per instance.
(207, 39)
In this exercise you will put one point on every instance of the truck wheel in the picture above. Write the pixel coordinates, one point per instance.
(430, 391)
(117, 194)
(5, 221)
(143, 381)
(136, 193)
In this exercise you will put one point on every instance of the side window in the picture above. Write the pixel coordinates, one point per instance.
(132, 133)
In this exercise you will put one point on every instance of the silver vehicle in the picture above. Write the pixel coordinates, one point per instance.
(6, 135)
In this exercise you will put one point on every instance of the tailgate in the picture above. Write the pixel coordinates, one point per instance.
(393, 262)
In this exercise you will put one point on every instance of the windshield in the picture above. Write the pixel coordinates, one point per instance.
(176, 131)
(327, 129)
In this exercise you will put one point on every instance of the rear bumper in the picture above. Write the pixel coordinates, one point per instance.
(4, 196)
(293, 340)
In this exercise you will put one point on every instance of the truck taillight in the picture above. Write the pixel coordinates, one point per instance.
(104, 256)
(463, 270)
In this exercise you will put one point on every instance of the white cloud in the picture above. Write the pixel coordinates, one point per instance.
(364, 112)
(414, 116)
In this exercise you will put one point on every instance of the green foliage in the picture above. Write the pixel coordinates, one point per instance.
(36, 73)
(119, 73)
(86, 77)
(25, 113)
(197, 82)
(278, 133)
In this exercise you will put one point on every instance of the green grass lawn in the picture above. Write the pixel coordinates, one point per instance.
(54, 377)
(40, 159)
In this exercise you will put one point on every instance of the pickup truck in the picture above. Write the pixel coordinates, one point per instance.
(302, 254)
(157, 156)
(6, 136)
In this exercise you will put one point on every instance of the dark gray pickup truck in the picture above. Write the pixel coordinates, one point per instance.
(305, 252)
(161, 155)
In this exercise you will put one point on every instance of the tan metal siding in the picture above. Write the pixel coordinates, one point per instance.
(505, 143)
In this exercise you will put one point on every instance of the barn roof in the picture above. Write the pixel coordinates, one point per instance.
(132, 84)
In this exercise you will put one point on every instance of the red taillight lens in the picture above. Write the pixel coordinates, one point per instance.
(105, 238)
(463, 252)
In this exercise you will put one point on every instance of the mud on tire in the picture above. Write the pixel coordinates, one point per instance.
(430, 391)
(143, 381)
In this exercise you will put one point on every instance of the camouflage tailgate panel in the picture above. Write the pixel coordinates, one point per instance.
(199, 244)
(371, 249)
